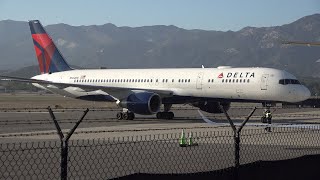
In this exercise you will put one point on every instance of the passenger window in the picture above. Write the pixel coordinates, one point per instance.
(189, 80)
(208, 80)
(294, 81)
(172, 80)
(248, 80)
(281, 81)
(222, 80)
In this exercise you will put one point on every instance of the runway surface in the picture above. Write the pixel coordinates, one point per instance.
(104, 147)
(35, 124)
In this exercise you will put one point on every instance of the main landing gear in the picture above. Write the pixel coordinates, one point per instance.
(166, 114)
(125, 115)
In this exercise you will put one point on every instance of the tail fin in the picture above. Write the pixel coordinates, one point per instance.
(49, 57)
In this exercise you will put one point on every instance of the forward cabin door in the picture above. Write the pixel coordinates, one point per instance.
(199, 80)
(264, 81)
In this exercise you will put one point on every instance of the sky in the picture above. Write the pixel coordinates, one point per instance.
(220, 15)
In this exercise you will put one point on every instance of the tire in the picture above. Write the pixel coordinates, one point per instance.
(119, 115)
(170, 115)
(125, 116)
(131, 116)
(159, 115)
(263, 119)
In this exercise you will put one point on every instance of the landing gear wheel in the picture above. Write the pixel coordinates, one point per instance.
(125, 115)
(170, 115)
(159, 115)
(119, 115)
(131, 116)
(263, 120)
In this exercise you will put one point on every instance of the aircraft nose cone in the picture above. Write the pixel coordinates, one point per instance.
(304, 93)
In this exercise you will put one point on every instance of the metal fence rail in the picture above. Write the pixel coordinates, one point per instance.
(155, 154)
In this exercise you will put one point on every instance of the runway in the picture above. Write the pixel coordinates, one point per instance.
(28, 124)
(104, 147)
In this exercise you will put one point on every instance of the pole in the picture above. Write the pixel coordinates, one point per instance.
(64, 140)
(236, 137)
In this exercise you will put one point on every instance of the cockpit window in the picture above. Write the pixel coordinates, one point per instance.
(288, 81)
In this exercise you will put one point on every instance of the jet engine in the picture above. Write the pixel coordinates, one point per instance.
(212, 107)
(145, 103)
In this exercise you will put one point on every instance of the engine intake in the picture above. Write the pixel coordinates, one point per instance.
(145, 103)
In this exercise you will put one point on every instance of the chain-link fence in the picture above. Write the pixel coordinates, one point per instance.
(210, 151)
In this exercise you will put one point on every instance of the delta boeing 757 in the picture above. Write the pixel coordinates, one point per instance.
(144, 91)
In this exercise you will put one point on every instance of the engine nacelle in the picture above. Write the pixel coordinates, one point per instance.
(145, 103)
(212, 107)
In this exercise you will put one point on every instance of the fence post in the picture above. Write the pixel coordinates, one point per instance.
(236, 137)
(64, 142)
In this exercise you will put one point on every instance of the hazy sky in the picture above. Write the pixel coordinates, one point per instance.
(189, 14)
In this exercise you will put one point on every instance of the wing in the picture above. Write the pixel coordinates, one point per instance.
(87, 87)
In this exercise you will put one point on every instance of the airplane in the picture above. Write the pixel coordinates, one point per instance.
(144, 91)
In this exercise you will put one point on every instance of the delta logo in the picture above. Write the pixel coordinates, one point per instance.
(220, 75)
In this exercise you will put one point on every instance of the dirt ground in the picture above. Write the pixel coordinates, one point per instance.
(34, 100)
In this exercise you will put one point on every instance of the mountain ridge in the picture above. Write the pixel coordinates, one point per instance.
(169, 46)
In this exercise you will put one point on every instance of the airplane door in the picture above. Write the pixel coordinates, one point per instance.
(199, 80)
(264, 82)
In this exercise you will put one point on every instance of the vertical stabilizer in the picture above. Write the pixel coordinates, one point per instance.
(49, 58)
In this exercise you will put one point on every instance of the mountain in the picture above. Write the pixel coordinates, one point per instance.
(169, 46)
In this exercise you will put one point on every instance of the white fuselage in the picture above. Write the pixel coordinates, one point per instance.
(258, 84)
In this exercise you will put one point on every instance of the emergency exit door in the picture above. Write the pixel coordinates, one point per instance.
(264, 82)
(199, 80)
